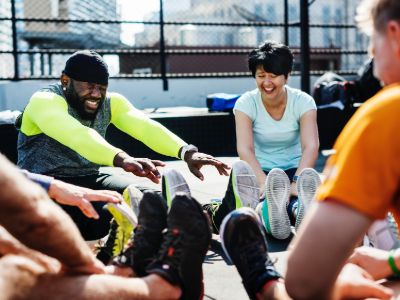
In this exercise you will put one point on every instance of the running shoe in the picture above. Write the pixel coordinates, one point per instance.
(173, 182)
(212, 211)
(106, 249)
(242, 191)
(124, 221)
(185, 244)
(244, 243)
(307, 185)
(273, 210)
(147, 237)
(383, 234)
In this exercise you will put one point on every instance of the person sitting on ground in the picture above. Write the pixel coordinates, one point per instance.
(361, 186)
(62, 134)
(42, 254)
(276, 127)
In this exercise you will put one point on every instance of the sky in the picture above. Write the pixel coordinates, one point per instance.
(132, 10)
(135, 10)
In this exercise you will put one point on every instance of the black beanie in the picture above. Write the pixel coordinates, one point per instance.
(88, 66)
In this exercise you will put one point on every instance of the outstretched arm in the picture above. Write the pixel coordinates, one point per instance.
(309, 143)
(154, 135)
(375, 261)
(48, 113)
(245, 145)
(68, 194)
(32, 217)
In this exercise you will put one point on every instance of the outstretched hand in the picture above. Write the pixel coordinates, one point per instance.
(373, 260)
(355, 283)
(68, 194)
(142, 167)
(195, 160)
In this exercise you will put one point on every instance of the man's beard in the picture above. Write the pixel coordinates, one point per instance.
(78, 104)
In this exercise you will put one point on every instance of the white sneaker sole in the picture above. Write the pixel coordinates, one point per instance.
(307, 185)
(245, 187)
(174, 183)
(126, 211)
(277, 192)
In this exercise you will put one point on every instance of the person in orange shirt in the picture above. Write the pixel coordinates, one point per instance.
(362, 185)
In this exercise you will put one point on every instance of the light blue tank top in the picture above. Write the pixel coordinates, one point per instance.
(276, 143)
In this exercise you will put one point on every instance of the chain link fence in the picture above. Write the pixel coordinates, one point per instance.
(178, 39)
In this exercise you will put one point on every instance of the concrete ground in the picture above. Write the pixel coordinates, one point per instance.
(221, 279)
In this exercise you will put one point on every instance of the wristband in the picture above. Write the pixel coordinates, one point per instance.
(43, 180)
(184, 149)
(392, 264)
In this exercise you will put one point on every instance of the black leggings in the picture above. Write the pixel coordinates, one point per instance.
(92, 229)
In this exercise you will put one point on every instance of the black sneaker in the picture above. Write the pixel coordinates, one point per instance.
(186, 241)
(122, 225)
(147, 237)
(212, 209)
(242, 191)
(244, 242)
(106, 250)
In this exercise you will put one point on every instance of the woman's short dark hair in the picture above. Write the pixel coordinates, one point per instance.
(276, 58)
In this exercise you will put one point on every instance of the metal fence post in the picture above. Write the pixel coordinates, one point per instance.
(162, 49)
(286, 22)
(14, 40)
(305, 46)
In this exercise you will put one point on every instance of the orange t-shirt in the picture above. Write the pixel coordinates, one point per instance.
(364, 174)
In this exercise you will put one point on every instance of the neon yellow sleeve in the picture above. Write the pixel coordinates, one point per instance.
(48, 113)
(135, 123)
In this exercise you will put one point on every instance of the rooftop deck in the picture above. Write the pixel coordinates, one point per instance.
(222, 281)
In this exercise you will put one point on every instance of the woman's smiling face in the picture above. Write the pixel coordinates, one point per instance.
(269, 84)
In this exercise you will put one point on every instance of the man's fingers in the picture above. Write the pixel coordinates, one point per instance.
(223, 170)
(132, 165)
(153, 177)
(147, 164)
(112, 193)
(149, 167)
(373, 289)
(103, 196)
(158, 163)
(196, 172)
(88, 210)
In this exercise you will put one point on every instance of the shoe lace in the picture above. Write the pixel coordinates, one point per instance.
(126, 256)
(171, 248)
(109, 245)
(212, 207)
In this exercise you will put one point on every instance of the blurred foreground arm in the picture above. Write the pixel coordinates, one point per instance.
(68, 194)
(32, 217)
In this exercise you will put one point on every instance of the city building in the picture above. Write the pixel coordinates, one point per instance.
(323, 39)
(58, 34)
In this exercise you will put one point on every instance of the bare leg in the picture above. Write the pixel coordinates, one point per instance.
(22, 278)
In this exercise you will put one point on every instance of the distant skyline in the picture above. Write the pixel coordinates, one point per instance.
(134, 10)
